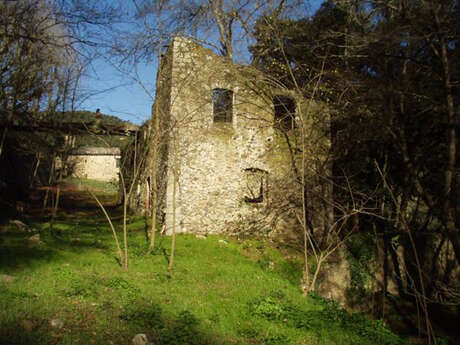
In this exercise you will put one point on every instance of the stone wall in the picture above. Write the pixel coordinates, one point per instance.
(210, 161)
(219, 173)
(95, 163)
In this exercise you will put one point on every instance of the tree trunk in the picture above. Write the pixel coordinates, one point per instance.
(156, 144)
(173, 239)
(449, 206)
(2, 141)
(125, 230)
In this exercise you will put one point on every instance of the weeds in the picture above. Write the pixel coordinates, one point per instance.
(329, 322)
(270, 309)
(127, 289)
(276, 339)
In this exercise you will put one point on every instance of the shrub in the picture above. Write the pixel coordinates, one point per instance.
(329, 322)
(360, 256)
(129, 291)
(268, 308)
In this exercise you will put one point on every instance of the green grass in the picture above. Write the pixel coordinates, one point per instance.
(93, 185)
(220, 292)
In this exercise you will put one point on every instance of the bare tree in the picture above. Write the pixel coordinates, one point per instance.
(216, 23)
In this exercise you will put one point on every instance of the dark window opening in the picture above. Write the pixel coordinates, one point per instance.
(284, 112)
(256, 185)
(222, 101)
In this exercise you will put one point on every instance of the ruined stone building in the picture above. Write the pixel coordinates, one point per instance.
(218, 148)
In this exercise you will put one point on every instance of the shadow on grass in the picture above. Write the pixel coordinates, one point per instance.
(19, 254)
(18, 251)
(13, 332)
(182, 328)
(135, 317)
(291, 271)
(72, 233)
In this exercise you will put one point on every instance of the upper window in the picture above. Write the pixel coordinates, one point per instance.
(222, 101)
(284, 112)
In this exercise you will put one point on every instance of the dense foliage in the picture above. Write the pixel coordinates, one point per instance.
(89, 117)
(389, 71)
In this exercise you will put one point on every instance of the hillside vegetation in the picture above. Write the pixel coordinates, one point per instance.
(87, 117)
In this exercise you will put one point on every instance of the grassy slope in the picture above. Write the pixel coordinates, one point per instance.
(219, 293)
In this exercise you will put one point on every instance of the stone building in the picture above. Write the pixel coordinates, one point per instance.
(96, 163)
(218, 146)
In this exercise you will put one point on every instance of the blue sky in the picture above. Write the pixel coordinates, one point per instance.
(120, 94)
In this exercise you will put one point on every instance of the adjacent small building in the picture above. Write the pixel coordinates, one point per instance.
(95, 163)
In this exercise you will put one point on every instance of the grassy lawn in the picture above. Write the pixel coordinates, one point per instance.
(74, 193)
(108, 187)
(71, 290)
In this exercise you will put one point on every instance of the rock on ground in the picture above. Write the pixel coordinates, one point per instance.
(56, 323)
(35, 239)
(140, 339)
(20, 225)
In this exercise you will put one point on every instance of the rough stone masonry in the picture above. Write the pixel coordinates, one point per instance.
(220, 148)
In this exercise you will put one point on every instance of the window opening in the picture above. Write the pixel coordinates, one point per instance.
(284, 112)
(256, 185)
(222, 101)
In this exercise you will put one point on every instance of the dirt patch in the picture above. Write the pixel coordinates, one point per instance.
(72, 198)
